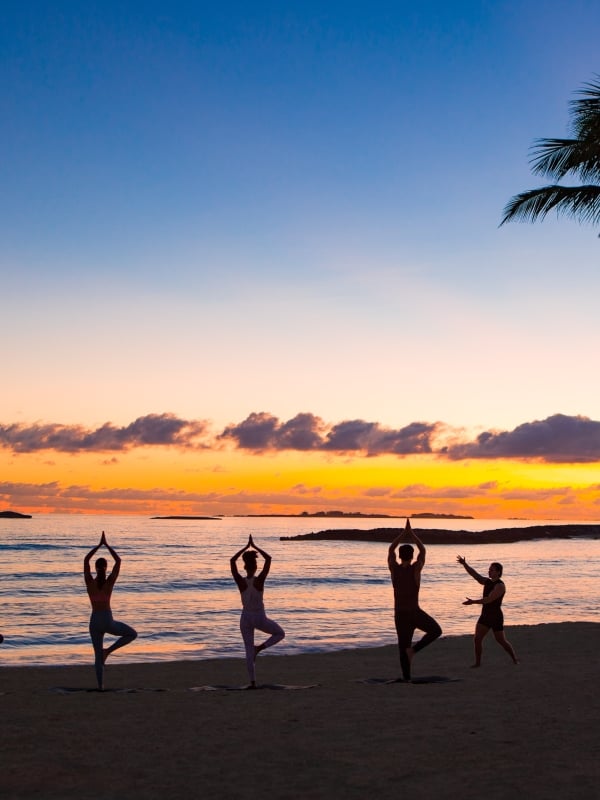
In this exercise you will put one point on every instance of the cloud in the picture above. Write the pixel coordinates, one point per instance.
(262, 431)
(80, 498)
(54, 489)
(151, 430)
(10, 489)
(373, 439)
(449, 492)
(301, 488)
(538, 495)
(558, 438)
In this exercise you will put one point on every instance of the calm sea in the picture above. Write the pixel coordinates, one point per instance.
(175, 587)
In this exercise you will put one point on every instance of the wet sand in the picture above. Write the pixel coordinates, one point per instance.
(495, 732)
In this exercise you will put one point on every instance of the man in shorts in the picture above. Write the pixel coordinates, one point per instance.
(406, 580)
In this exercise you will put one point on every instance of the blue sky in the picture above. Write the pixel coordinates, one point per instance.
(291, 207)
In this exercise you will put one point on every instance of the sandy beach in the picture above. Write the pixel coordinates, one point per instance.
(495, 732)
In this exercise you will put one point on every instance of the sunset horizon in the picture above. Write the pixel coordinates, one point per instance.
(253, 262)
(163, 464)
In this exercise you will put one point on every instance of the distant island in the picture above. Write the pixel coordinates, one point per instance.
(355, 515)
(180, 517)
(440, 536)
(324, 515)
(14, 515)
(427, 515)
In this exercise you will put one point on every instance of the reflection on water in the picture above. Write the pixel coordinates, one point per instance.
(176, 590)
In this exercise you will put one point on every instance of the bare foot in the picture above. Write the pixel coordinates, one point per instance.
(475, 666)
(410, 653)
(105, 654)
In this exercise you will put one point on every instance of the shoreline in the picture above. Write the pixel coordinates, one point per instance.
(127, 662)
(499, 729)
(445, 536)
(226, 662)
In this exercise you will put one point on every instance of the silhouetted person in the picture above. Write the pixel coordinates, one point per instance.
(492, 616)
(99, 590)
(253, 610)
(408, 616)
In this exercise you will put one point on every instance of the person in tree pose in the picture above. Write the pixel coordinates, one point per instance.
(253, 609)
(99, 590)
(406, 580)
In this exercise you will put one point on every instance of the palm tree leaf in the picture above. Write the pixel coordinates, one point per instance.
(586, 110)
(581, 202)
(555, 158)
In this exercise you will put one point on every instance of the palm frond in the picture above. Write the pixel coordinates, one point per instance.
(555, 158)
(586, 109)
(580, 202)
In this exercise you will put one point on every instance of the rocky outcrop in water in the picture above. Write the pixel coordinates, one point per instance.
(438, 536)
(13, 515)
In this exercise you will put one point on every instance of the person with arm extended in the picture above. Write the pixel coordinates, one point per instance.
(408, 615)
(492, 616)
(99, 589)
(253, 615)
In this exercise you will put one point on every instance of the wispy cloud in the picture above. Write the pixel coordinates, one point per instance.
(80, 498)
(556, 439)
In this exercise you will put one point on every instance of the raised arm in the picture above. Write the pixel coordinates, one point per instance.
(267, 565)
(411, 536)
(391, 559)
(233, 564)
(496, 593)
(473, 573)
(115, 556)
(86, 561)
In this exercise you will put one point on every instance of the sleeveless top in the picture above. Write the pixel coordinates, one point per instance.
(406, 587)
(494, 606)
(252, 599)
(97, 596)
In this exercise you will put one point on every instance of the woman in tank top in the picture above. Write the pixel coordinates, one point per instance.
(253, 610)
(99, 589)
(492, 617)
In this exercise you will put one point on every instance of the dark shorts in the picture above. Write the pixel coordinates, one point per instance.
(493, 621)
(407, 621)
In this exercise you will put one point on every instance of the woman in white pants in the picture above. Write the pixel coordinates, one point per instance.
(253, 610)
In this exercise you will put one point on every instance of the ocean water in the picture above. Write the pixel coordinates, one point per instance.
(176, 589)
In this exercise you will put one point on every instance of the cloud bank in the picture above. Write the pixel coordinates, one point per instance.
(262, 432)
(556, 439)
(152, 430)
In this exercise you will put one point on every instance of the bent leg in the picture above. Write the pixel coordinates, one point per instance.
(267, 625)
(506, 645)
(125, 633)
(431, 629)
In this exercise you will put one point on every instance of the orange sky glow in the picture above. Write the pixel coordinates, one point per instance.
(166, 481)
